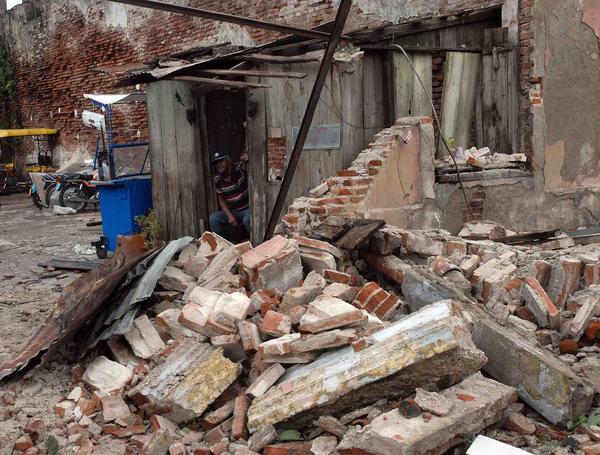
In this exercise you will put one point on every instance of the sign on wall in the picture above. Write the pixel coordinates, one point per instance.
(321, 137)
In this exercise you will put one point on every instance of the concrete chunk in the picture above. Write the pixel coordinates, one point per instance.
(250, 336)
(313, 245)
(329, 313)
(168, 321)
(540, 305)
(588, 302)
(433, 402)
(106, 375)
(274, 264)
(477, 403)
(300, 296)
(265, 380)
(430, 346)
(543, 381)
(323, 340)
(114, 407)
(192, 376)
(340, 291)
(318, 261)
(175, 279)
(564, 279)
(144, 339)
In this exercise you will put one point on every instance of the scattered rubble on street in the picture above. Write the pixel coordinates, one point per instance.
(412, 342)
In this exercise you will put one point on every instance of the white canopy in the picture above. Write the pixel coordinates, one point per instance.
(122, 98)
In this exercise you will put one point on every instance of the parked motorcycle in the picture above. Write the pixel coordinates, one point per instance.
(41, 196)
(78, 192)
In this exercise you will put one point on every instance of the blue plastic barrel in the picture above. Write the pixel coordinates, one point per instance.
(121, 200)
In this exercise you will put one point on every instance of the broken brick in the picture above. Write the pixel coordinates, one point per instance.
(276, 324)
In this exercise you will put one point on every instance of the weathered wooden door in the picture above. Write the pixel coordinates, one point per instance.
(500, 93)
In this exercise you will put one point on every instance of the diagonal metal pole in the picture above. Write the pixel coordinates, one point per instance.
(224, 17)
(334, 39)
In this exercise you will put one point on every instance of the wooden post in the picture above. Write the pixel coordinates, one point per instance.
(334, 40)
(458, 98)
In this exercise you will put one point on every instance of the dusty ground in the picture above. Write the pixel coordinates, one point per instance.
(28, 293)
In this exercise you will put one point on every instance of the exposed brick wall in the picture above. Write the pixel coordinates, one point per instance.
(348, 193)
(55, 44)
(276, 151)
(530, 84)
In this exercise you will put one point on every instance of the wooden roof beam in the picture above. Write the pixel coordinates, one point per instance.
(224, 17)
(221, 82)
(252, 73)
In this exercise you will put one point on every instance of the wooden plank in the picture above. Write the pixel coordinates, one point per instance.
(353, 141)
(277, 59)
(358, 234)
(170, 169)
(220, 82)
(403, 85)
(421, 106)
(206, 194)
(373, 95)
(257, 165)
(252, 73)
(458, 99)
(159, 195)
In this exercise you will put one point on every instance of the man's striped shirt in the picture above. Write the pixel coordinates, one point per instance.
(234, 190)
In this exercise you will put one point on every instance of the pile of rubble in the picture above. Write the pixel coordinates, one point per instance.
(371, 342)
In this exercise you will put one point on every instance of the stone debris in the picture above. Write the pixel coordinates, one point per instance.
(304, 346)
(477, 403)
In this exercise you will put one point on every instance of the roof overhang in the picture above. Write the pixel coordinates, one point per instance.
(122, 98)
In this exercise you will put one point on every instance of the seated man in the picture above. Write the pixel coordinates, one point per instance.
(231, 184)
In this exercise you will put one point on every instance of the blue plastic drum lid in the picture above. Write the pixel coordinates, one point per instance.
(121, 201)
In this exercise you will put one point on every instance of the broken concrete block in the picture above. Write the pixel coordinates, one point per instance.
(292, 357)
(317, 246)
(377, 301)
(482, 231)
(323, 340)
(518, 423)
(108, 376)
(250, 336)
(300, 296)
(424, 347)
(340, 291)
(192, 376)
(469, 265)
(541, 379)
(144, 339)
(263, 437)
(477, 402)
(279, 346)
(433, 402)
(264, 382)
(274, 264)
(420, 244)
(588, 302)
(323, 445)
(219, 270)
(314, 279)
(214, 313)
(421, 288)
(318, 261)
(540, 305)
(276, 324)
(114, 407)
(168, 320)
(175, 279)
(387, 240)
(564, 280)
(327, 313)
(331, 425)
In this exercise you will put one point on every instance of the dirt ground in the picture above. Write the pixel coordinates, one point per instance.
(28, 293)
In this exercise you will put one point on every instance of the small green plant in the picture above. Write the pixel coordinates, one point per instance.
(587, 421)
(150, 229)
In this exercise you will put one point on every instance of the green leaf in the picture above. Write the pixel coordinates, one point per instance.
(51, 445)
(290, 435)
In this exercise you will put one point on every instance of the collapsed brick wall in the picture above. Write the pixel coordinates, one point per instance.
(356, 192)
(54, 44)
(530, 84)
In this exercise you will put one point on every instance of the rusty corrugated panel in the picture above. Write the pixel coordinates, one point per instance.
(77, 303)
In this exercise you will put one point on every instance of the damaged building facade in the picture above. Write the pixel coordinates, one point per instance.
(496, 72)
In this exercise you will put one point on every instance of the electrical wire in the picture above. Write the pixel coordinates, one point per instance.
(437, 121)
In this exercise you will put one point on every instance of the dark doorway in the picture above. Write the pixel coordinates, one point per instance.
(226, 114)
